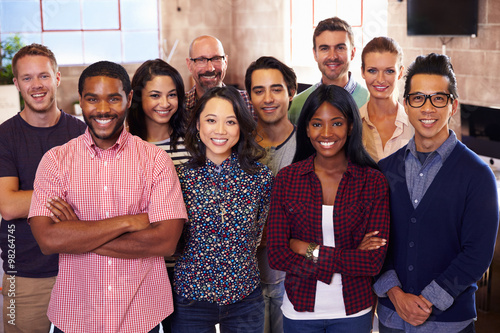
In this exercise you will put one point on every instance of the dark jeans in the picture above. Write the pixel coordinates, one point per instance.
(245, 316)
(361, 324)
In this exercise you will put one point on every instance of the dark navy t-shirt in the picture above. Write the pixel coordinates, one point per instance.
(21, 149)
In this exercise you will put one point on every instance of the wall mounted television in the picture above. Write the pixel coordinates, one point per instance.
(481, 132)
(442, 17)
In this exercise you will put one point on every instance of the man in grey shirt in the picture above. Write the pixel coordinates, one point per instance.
(271, 86)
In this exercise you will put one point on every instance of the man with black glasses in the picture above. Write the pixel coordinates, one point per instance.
(444, 214)
(207, 63)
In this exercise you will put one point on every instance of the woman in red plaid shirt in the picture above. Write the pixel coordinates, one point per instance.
(322, 207)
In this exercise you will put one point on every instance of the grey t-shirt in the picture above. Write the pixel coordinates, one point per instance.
(276, 158)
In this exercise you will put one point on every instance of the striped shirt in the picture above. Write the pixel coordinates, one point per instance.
(95, 293)
(178, 156)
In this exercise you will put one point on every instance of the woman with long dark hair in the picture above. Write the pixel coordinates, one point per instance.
(227, 195)
(157, 113)
(322, 207)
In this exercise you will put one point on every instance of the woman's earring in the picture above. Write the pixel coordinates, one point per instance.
(198, 136)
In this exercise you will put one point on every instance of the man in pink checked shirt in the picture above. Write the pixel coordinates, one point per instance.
(110, 204)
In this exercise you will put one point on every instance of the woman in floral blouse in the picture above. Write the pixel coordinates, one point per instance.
(227, 195)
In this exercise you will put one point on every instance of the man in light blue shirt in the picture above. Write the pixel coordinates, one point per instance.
(333, 50)
(444, 214)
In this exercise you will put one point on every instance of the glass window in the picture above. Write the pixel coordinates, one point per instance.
(100, 14)
(137, 46)
(61, 15)
(84, 31)
(20, 15)
(139, 15)
(67, 46)
(102, 45)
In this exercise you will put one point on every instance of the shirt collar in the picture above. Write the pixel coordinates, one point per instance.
(308, 167)
(444, 150)
(117, 147)
(195, 95)
(232, 160)
(350, 86)
(401, 116)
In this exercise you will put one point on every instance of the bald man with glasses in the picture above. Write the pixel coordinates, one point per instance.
(207, 63)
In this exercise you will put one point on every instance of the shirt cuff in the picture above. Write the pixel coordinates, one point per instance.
(439, 297)
(386, 282)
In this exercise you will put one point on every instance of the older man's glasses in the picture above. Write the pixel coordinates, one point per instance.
(202, 61)
(438, 100)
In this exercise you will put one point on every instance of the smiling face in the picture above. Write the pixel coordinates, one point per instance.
(381, 73)
(37, 82)
(328, 130)
(209, 75)
(159, 100)
(269, 95)
(104, 106)
(334, 53)
(219, 129)
(430, 123)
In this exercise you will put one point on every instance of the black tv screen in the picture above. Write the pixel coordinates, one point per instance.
(481, 129)
(442, 17)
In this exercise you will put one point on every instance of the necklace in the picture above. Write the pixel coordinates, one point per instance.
(218, 190)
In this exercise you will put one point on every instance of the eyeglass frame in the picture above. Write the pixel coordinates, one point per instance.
(429, 97)
(203, 61)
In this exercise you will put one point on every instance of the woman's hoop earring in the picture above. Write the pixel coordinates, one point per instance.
(198, 136)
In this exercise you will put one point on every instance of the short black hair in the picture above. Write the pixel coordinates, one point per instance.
(249, 152)
(108, 69)
(343, 101)
(271, 63)
(432, 64)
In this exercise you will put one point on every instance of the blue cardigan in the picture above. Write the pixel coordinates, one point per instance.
(450, 237)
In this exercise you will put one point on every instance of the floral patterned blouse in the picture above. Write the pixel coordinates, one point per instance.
(227, 209)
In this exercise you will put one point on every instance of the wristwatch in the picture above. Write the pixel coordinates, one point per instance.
(310, 249)
(315, 254)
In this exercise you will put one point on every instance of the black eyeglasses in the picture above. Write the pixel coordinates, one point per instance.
(438, 100)
(202, 61)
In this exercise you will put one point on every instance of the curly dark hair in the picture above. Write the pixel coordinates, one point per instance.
(249, 152)
(136, 116)
(343, 101)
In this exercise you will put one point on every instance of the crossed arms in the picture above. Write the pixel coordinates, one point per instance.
(127, 236)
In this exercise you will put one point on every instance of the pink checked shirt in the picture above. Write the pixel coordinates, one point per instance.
(96, 293)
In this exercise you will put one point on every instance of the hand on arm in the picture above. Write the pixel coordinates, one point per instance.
(159, 239)
(60, 210)
(14, 203)
(370, 242)
(411, 308)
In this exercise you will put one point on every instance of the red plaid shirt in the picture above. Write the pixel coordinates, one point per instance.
(96, 293)
(361, 206)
